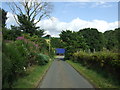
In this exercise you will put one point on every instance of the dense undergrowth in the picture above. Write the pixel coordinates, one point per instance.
(21, 54)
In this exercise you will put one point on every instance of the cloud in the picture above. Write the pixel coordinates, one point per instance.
(101, 4)
(80, 4)
(54, 26)
(10, 20)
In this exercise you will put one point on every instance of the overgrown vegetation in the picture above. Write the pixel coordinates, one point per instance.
(87, 41)
(24, 47)
(23, 50)
(94, 50)
(19, 55)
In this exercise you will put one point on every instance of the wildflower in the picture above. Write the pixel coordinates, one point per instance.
(20, 38)
(36, 45)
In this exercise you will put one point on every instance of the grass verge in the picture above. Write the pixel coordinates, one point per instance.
(95, 78)
(32, 80)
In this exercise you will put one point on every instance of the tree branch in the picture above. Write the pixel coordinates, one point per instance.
(14, 13)
(18, 8)
(35, 8)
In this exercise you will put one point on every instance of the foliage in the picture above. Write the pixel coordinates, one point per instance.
(93, 38)
(104, 60)
(57, 43)
(13, 63)
(117, 30)
(73, 42)
(111, 39)
(32, 80)
(26, 25)
(11, 34)
(42, 59)
(29, 13)
(20, 54)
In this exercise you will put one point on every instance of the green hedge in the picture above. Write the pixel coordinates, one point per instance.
(106, 61)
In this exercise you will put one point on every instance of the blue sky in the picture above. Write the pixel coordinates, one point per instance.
(66, 11)
(77, 15)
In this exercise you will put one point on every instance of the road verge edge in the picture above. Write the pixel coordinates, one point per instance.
(95, 86)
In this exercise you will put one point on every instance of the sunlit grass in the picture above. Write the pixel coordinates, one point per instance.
(96, 78)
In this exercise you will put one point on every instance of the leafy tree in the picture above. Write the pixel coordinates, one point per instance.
(112, 39)
(73, 42)
(39, 32)
(117, 30)
(93, 38)
(11, 34)
(29, 13)
(57, 43)
(26, 25)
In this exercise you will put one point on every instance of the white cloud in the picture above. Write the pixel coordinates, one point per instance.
(10, 20)
(80, 4)
(101, 4)
(54, 26)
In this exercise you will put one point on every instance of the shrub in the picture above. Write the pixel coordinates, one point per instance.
(13, 63)
(42, 59)
(106, 61)
(19, 54)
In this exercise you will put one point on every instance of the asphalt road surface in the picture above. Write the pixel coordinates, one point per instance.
(62, 75)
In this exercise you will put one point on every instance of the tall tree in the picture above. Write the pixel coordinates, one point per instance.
(73, 39)
(57, 43)
(111, 39)
(117, 30)
(29, 13)
(73, 42)
(93, 38)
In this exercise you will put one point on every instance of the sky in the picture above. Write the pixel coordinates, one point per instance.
(75, 16)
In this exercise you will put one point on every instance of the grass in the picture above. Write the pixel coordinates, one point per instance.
(32, 80)
(95, 78)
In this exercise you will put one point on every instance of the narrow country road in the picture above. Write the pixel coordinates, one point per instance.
(62, 75)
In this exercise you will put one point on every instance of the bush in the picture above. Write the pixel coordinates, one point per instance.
(19, 54)
(42, 59)
(106, 61)
(13, 63)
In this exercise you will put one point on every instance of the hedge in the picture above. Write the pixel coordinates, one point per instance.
(106, 61)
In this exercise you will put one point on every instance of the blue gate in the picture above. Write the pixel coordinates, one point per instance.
(60, 50)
